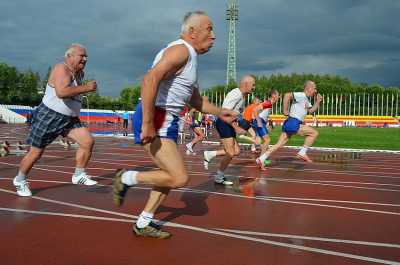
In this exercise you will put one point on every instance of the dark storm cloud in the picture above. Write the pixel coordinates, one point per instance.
(358, 39)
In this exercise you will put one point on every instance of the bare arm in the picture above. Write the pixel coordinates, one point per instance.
(204, 105)
(286, 100)
(61, 79)
(173, 59)
(316, 104)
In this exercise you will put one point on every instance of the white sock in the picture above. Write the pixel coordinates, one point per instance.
(189, 145)
(212, 154)
(263, 157)
(144, 219)
(220, 173)
(303, 151)
(78, 171)
(129, 178)
(20, 177)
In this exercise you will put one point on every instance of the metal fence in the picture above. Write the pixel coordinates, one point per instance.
(357, 104)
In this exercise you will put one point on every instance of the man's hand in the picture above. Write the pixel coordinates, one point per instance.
(319, 98)
(92, 86)
(286, 112)
(227, 115)
(238, 129)
(148, 133)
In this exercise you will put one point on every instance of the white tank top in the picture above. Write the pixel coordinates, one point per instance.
(267, 109)
(300, 106)
(234, 100)
(67, 106)
(264, 114)
(175, 92)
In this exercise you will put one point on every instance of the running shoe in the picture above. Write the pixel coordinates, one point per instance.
(83, 179)
(304, 158)
(151, 231)
(119, 188)
(222, 180)
(22, 188)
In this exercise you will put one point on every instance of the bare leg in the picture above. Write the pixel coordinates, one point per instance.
(172, 173)
(30, 159)
(232, 149)
(265, 145)
(85, 141)
(199, 136)
(283, 139)
(310, 135)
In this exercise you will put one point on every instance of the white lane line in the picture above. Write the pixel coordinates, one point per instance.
(73, 205)
(333, 172)
(295, 202)
(331, 185)
(272, 179)
(313, 181)
(190, 190)
(340, 182)
(346, 161)
(324, 239)
(67, 215)
(135, 156)
(262, 198)
(326, 148)
(302, 181)
(226, 234)
(333, 201)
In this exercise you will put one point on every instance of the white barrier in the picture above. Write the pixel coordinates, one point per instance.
(10, 116)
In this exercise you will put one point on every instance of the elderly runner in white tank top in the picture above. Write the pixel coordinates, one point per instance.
(234, 101)
(58, 114)
(166, 88)
(300, 107)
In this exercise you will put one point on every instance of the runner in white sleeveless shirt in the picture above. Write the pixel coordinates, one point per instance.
(58, 114)
(300, 107)
(173, 81)
(234, 101)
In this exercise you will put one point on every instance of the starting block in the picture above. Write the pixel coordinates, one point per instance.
(67, 144)
(19, 148)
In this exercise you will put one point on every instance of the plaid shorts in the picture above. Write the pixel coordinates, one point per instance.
(48, 124)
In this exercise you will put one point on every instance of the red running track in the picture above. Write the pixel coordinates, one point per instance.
(342, 209)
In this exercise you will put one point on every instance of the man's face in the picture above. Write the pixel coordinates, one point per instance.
(311, 89)
(79, 58)
(274, 97)
(203, 35)
(250, 85)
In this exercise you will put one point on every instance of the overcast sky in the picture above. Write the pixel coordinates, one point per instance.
(358, 39)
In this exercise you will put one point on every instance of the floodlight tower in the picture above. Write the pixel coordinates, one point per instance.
(232, 15)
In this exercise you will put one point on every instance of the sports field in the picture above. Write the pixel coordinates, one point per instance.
(357, 138)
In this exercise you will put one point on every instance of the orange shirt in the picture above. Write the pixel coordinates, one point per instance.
(248, 112)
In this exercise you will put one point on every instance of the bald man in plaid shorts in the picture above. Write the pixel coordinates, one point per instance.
(58, 114)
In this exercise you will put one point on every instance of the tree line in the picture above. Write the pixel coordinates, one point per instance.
(27, 88)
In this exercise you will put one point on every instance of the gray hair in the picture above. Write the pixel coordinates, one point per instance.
(72, 48)
(191, 19)
(272, 92)
(307, 83)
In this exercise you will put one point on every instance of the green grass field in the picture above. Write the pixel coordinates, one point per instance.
(357, 138)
